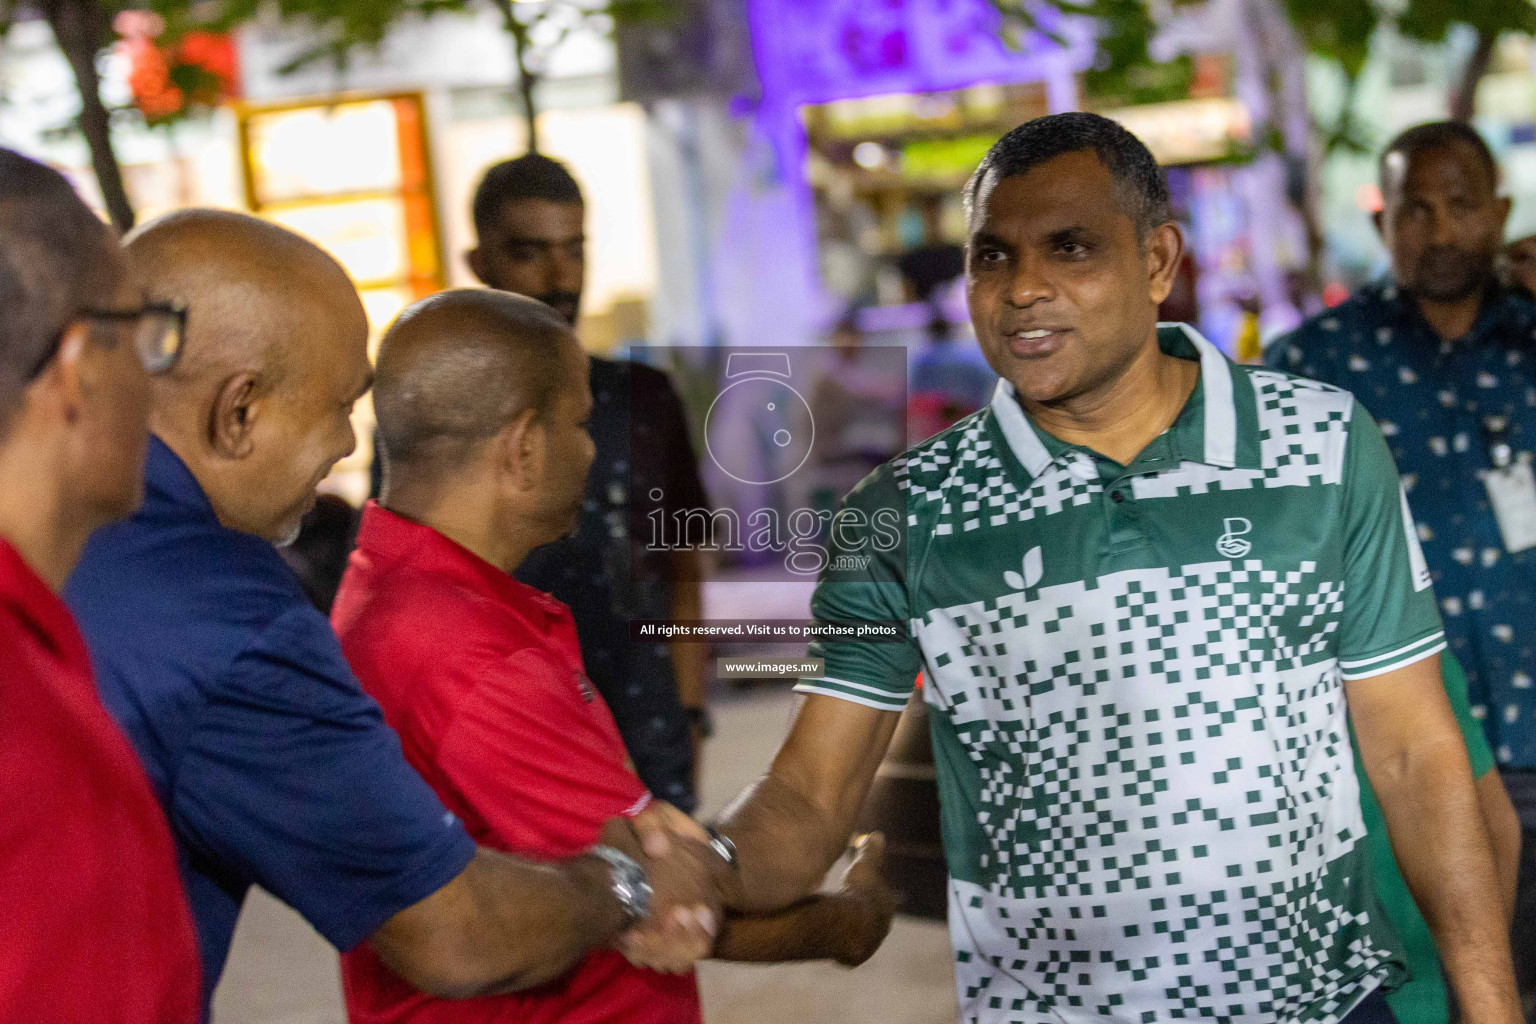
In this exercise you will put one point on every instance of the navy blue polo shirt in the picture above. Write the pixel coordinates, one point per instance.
(272, 764)
(1434, 400)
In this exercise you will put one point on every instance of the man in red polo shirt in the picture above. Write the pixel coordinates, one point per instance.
(93, 924)
(481, 399)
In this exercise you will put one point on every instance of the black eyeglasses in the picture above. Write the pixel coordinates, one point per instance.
(159, 328)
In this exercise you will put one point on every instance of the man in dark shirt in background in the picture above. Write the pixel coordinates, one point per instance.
(934, 262)
(529, 216)
(1444, 358)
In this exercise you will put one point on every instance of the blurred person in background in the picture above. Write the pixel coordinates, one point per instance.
(856, 401)
(272, 764)
(481, 399)
(949, 380)
(318, 555)
(1520, 264)
(932, 261)
(93, 923)
(1442, 355)
(1248, 346)
(529, 217)
(1517, 263)
(1516, 266)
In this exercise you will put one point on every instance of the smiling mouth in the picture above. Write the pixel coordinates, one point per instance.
(1034, 343)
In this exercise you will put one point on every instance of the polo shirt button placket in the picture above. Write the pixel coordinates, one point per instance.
(1127, 544)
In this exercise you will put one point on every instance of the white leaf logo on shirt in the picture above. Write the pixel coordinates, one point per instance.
(1034, 568)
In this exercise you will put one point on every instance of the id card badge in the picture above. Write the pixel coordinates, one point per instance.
(1512, 493)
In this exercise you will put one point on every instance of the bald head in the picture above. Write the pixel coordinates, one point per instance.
(456, 368)
(249, 286)
(275, 356)
(54, 256)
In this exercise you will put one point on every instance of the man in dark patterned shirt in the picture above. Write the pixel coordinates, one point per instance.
(529, 217)
(1445, 359)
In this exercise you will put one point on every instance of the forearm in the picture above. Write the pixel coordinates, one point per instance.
(835, 926)
(540, 920)
(1503, 834)
(791, 825)
(502, 925)
(1438, 837)
(784, 844)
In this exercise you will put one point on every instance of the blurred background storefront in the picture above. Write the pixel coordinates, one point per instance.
(760, 171)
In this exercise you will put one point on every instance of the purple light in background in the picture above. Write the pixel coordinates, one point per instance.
(817, 51)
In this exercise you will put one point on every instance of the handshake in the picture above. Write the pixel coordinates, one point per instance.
(689, 918)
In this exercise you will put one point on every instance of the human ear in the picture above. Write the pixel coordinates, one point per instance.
(522, 451)
(75, 371)
(1164, 249)
(232, 421)
(67, 375)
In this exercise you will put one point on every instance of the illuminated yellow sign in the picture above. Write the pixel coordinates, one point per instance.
(1189, 131)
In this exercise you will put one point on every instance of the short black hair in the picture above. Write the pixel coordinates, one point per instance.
(51, 259)
(458, 366)
(1422, 138)
(531, 176)
(1139, 183)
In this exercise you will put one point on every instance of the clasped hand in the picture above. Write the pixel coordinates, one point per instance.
(687, 916)
(686, 908)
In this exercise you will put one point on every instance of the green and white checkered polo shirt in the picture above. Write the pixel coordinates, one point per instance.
(1134, 675)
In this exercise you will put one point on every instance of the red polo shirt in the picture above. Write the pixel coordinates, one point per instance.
(93, 922)
(482, 678)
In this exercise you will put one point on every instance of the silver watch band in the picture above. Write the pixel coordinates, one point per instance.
(629, 884)
(721, 844)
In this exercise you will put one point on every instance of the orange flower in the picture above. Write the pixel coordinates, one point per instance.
(155, 71)
(213, 52)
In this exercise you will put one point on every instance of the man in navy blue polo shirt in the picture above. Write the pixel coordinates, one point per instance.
(273, 766)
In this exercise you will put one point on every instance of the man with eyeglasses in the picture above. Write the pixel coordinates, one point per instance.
(273, 765)
(93, 923)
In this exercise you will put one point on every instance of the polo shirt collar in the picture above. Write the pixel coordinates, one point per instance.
(168, 481)
(1215, 443)
(390, 537)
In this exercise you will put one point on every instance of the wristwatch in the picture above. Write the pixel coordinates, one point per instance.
(628, 882)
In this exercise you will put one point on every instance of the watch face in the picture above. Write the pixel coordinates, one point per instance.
(780, 436)
(629, 883)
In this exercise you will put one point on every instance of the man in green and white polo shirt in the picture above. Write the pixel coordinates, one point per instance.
(1145, 586)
